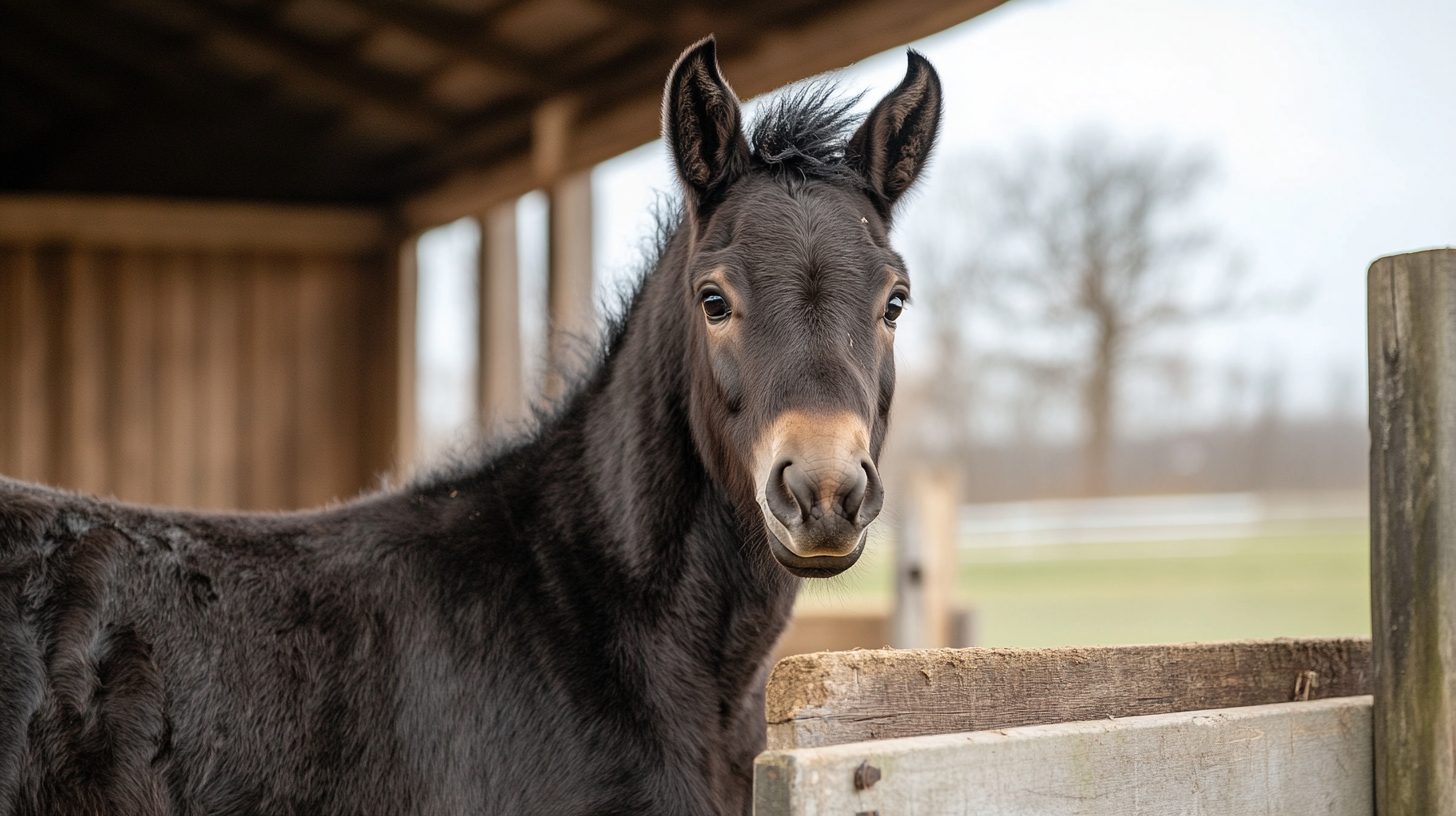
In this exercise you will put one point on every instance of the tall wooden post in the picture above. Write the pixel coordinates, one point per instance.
(1413, 530)
(569, 253)
(502, 398)
(925, 563)
(406, 366)
(569, 287)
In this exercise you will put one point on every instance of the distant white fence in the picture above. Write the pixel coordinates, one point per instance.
(1150, 518)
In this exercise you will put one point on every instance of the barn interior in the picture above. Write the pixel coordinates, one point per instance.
(209, 212)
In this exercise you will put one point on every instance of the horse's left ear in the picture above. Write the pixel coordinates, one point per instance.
(703, 125)
(894, 143)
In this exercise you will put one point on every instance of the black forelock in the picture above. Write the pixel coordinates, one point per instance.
(802, 132)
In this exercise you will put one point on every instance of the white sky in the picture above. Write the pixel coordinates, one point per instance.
(1333, 123)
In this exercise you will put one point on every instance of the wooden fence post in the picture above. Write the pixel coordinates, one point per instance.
(1412, 347)
(925, 562)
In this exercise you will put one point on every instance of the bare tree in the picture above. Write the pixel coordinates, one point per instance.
(1099, 241)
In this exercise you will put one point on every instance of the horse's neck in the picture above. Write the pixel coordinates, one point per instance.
(672, 530)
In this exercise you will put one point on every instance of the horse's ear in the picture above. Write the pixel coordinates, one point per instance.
(703, 125)
(894, 143)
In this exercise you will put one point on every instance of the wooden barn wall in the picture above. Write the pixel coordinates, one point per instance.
(231, 363)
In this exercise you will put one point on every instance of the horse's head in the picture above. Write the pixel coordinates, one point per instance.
(794, 292)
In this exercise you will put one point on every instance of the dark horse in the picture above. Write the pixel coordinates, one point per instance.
(576, 624)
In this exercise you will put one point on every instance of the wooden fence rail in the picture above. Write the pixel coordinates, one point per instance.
(1291, 759)
(830, 698)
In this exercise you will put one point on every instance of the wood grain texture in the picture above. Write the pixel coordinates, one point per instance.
(271, 455)
(84, 443)
(175, 455)
(830, 698)
(221, 398)
(11, 336)
(1290, 759)
(35, 454)
(1412, 347)
(135, 414)
(199, 377)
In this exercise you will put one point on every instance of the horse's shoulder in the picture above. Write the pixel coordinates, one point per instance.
(29, 513)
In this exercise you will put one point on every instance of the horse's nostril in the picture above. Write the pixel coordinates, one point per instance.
(872, 496)
(852, 493)
(784, 497)
(804, 491)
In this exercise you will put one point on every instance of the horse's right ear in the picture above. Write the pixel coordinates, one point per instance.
(703, 126)
(894, 143)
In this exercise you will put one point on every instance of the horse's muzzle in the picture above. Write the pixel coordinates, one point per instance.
(819, 491)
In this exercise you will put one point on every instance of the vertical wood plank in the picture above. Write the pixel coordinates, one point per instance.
(349, 380)
(86, 440)
(1412, 346)
(381, 318)
(132, 474)
(327, 433)
(272, 457)
(176, 463)
(33, 399)
(569, 286)
(502, 397)
(219, 330)
(11, 330)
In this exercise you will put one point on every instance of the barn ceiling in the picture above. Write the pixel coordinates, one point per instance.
(372, 101)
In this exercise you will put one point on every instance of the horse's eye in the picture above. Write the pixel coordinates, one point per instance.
(894, 308)
(715, 306)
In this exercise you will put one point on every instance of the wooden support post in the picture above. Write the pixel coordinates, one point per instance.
(570, 324)
(406, 421)
(569, 287)
(926, 563)
(502, 398)
(1412, 346)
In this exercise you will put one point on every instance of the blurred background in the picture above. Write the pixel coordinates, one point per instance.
(266, 254)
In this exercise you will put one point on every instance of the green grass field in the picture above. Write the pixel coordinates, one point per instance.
(1291, 581)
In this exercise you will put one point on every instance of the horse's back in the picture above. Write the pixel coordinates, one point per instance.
(82, 725)
(154, 661)
(151, 657)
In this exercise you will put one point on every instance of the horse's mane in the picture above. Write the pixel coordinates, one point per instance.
(803, 131)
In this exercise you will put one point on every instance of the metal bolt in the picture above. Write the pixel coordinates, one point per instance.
(865, 776)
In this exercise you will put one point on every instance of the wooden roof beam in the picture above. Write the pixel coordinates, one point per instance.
(90, 91)
(829, 40)
(352, 84)
(451, 34)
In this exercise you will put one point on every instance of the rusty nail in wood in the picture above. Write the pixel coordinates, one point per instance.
(865, 776)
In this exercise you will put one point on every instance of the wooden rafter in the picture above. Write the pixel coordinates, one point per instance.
(335, 67)
(464, 38)
(445, 133)
(115, 50)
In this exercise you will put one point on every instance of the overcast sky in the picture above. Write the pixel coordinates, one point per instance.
(1332, 122)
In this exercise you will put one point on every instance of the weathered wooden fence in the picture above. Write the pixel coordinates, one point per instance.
(1286, 727)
